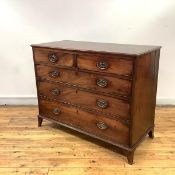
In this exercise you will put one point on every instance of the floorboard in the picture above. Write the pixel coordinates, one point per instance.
(54, 150)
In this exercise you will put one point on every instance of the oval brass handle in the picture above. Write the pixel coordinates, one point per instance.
(101, 125)
(102, 103)
(102, 65)
(54, 73)
(102, 82)
(55, 91)
(53, 58)
(56, 111)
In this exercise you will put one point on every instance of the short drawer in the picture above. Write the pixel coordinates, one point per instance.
(115, 64)
(108, 106)
(104, 84)
(96, 125)
(53, 57)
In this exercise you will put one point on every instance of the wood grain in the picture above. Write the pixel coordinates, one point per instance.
(51, 149)
(86, 80)
(95, 47)
(115, 132)
(75, 96)
(116, 64)
(42, 55)
(144, 94)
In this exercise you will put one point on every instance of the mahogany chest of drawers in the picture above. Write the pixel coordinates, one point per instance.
(107, 91)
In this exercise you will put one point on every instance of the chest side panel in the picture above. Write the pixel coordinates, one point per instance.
(144, 95)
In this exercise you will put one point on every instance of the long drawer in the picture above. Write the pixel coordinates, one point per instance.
(96, 82)
(96, 125)
(106, 105)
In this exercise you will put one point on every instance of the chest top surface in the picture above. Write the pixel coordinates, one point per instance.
(123, 49)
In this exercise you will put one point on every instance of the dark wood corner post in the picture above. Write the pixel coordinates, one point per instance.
(130, 156)
(40, 120)
(151, 133)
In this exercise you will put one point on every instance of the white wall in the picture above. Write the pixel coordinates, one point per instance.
(23, 22)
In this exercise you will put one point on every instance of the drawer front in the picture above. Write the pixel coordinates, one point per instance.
(106, 64)
(105, 128)
(104, 84)
(106, 105)
(53, 57)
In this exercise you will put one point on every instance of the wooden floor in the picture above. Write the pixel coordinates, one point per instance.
(26, 149)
